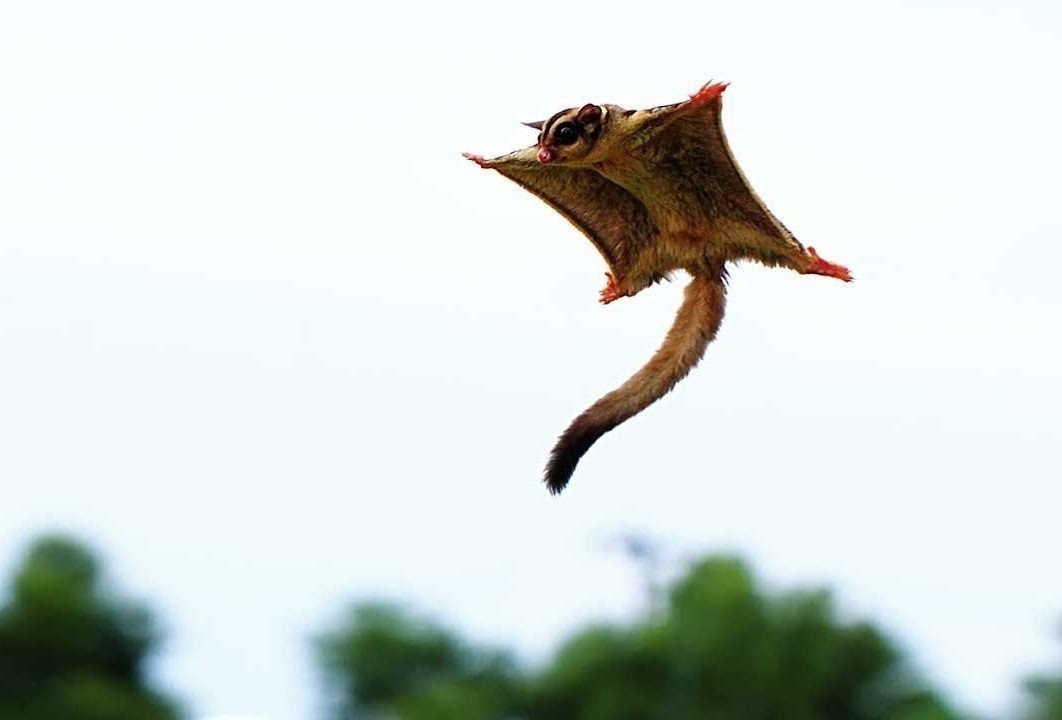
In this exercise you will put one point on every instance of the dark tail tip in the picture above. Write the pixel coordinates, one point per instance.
(571, 446)
(560, 468)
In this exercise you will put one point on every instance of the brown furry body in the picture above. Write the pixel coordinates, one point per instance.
(655, 190)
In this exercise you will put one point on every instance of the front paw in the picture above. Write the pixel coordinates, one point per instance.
(708, 93)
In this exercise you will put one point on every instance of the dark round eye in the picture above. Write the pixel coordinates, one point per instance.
(566, 133)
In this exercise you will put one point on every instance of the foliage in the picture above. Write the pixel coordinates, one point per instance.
(68, 650)
(1044, 697)
(722, 649)
(384, 658)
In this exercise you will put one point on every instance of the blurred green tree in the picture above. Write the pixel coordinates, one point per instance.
(70, 651)
(384, 662)
(724, 650)
(721, 649)
(1043, 697)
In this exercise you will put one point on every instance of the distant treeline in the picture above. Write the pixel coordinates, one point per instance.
(718, 648)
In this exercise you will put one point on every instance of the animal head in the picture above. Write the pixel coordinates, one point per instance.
(572, 135)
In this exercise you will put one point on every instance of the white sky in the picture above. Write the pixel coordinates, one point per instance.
(271, 344)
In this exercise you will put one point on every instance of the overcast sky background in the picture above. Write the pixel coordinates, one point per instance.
(271, 344)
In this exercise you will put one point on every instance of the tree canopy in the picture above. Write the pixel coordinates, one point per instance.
(722, 648)
(1043, 697)
(70, 650)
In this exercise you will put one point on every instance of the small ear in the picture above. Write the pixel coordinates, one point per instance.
(537, 125)
(589, 114)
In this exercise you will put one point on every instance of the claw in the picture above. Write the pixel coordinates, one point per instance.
(708, 93)
(611, 292)
(818, 266)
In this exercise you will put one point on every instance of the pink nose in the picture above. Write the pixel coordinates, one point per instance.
(545, 155)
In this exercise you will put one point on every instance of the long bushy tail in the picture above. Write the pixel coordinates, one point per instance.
(696, 324)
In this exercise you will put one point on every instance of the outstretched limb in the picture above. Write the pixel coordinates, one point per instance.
(709, 92)
(815, 265)
(477, 159)
(658, 118)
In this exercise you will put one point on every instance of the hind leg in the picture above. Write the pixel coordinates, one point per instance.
(612, 291)
(792, 256)
(817, 266)
(622, 286)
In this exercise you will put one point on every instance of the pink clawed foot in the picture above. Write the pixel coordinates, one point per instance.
(611, 292)
(477, 159)
(708, 93)
(818, 266)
